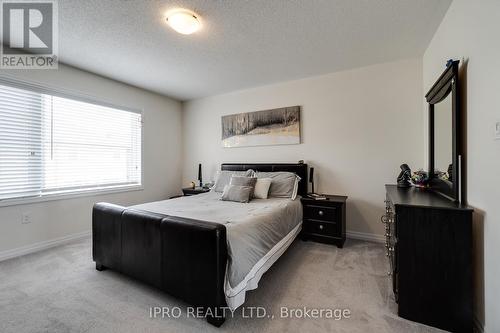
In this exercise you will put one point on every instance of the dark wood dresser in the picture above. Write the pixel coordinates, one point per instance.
(429, 246)
(324, 220)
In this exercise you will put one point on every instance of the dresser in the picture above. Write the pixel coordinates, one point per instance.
(324, 220)
(429, 247)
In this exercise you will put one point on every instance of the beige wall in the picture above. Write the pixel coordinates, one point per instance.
(162, 152)
(358, 126)
(469, 32)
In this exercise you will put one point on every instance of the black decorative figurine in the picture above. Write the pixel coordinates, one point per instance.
(404, 176)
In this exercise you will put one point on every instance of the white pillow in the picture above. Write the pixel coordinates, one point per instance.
(262, 188)
(295, 188)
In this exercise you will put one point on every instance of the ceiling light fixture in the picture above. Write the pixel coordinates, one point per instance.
(183, 21)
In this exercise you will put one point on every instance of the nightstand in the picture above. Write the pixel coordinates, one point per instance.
(193, 191)
(324, 220)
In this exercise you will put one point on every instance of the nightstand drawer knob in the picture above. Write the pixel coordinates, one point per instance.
(321, 213)
(321, 227)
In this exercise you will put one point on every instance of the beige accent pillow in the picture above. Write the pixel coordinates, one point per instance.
(262, 188)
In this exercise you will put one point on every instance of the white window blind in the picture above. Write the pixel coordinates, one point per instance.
(20, 143)
(50, 144)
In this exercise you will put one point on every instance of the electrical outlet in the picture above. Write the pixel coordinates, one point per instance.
(26, 218)
(497, 130)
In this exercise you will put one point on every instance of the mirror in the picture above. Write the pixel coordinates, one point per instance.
(445, 140)
(443, 136)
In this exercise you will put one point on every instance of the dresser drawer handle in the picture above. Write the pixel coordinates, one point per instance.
(321, 227)
(321, 213)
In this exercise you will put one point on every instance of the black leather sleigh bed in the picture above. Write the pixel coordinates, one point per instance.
(187, 258)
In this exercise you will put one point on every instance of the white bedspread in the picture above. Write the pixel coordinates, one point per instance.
(255, 231)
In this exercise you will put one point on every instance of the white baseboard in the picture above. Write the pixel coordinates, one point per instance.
(365, 236)
(21, 251)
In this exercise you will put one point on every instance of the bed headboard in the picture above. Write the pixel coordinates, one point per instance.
(299, 169)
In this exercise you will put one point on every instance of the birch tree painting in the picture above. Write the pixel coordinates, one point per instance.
(262, 128)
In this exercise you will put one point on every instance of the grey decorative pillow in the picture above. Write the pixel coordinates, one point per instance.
(244, 181)
(224, 177)
(283, 185)
(236, 193)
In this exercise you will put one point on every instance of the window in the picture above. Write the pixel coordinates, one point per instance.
(51, 144)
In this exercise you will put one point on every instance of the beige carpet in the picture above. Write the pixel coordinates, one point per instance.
(59, 290)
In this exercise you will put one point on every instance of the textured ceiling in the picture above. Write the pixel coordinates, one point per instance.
(242, 43)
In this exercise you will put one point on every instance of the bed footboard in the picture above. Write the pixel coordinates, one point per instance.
(184, 257)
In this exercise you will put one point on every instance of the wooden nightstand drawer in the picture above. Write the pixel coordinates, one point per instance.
(322, 228)
(322, 213)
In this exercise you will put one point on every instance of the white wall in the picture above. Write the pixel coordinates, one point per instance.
(358, 126)
(469, 32)
(162, 154)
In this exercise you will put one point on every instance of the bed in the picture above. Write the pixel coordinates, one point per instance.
(204, 251)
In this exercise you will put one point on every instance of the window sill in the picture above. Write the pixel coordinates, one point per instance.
(65, 195)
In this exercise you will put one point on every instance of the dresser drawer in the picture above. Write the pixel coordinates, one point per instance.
(321, 213)
(317, 227)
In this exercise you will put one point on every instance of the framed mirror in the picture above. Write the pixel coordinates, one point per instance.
(444, 134)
